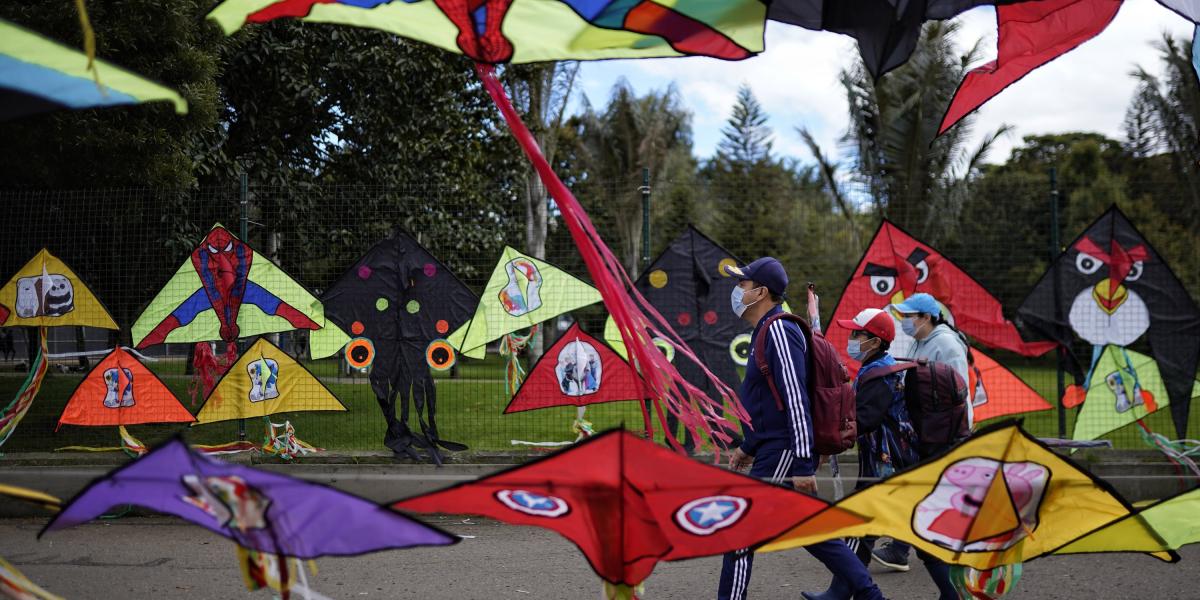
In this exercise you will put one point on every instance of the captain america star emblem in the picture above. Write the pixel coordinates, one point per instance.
(532, 503)
(707, 515)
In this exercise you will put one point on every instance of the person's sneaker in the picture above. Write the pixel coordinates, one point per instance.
(891, 558)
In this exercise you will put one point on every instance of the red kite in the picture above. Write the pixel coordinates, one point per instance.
(628, 504)
(998, 392)
(577, 370)
(120, 390)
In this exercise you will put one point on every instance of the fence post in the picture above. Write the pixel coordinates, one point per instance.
(645, 190)
(244, 204)
(1060, 351)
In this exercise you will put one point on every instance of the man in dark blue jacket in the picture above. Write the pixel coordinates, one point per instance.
(779, 446)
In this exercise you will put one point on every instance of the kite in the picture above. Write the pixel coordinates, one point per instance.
(523, 31)
(1114, 289)
(522, 292)
(1125, 387)
(44, 293)
(260, 511)
(39, 75)
(998, 392)
(400, 303)
(999, 498)
(628, 504)
(1173, 519)
(688, 286)
(263, 382)
(578, 370)
(895, 266)
(560, 30)
(886, 31)
(121, 391)
(47, 293)
(226, 290)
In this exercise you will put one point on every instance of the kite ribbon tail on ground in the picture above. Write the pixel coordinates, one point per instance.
(15, 411)
(1177, 451)
(696, 411)
(129, 445)
(14, 584)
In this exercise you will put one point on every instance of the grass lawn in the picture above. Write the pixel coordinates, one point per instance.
(469, 410)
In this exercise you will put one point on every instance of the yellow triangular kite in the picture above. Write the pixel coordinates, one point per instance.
(1001, 497)
(47, 293)
(265, 381)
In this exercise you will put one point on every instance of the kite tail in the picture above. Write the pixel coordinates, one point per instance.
(511, 346)
(15, 411)
(1179, 452)
(582, 427)
(129, 445)
(265, 570)
(620, 591)
(207, 369)
(15, 585)
(285, 444)
(230, 448)
(636, 319)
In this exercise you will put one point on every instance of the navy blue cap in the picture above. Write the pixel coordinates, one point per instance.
(765, 271)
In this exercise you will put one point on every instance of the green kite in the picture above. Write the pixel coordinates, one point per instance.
(1124, 387)
(522, 292)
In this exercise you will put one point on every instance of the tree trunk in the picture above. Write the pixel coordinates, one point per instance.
(535, 240)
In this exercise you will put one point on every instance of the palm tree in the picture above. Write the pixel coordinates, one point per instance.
(631, 134)
(911, 175)
(1165, 114)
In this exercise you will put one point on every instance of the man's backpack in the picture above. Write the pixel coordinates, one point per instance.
(829, 389)
(936, 398)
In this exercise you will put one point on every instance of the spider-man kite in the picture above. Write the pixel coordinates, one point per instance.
(223, 275)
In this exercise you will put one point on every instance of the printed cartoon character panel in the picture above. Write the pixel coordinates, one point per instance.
(981, 504)
(228, 499)
(47, 293)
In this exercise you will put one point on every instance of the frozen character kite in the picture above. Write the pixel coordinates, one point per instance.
(262, 512)
(628, 504)
(999, 498)
(39, 75)
(120, 391)
(895, 266)
(225, 291)
(540, 30)
(578, 370)
(44, 293)
(400, 303)
(263, 382)
(1111, 289)
(498, 31)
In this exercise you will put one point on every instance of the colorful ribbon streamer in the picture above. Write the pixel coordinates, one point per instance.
(15, 411)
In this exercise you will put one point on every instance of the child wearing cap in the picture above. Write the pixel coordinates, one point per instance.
(886, 438)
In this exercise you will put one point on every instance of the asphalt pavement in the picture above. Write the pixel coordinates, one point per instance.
(161, 557)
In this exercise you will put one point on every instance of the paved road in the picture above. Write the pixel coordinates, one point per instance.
(162, 558)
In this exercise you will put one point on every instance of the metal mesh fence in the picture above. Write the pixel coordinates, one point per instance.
(126, 245)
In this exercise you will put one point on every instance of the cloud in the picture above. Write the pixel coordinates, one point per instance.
(796, 80)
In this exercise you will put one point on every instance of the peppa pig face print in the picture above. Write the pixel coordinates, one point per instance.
(982, 505)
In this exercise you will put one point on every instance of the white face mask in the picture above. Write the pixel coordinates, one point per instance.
(735, 299)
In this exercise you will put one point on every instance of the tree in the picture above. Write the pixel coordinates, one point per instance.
(631, 133)
(746, 138)
(913, 176)
(1166, 111)
(145, 145)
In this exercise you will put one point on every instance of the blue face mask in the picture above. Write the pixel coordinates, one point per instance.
(735, 300)
(909, 326)
(854, 349)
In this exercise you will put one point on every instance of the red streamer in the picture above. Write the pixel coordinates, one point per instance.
(629, 309)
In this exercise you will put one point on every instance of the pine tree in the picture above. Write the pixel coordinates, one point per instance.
(747, 138)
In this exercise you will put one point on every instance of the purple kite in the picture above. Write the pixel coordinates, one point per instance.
(261, 511)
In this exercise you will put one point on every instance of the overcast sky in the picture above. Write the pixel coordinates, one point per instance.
(796, 82)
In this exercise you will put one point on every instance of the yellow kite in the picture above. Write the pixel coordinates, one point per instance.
(1173, 519)
(265, 381)
(47, 293)
(999, 498)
